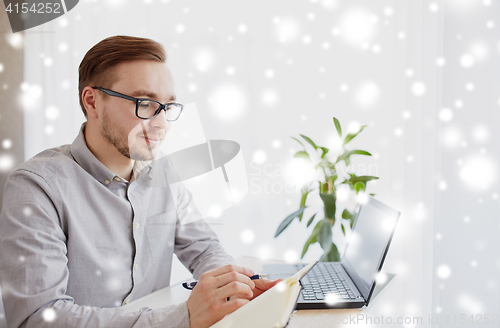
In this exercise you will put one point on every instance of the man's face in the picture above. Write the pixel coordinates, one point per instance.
(133, 137)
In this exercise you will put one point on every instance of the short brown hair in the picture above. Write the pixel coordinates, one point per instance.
(96, 68)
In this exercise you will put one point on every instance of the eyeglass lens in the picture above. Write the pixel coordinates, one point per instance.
(147, 109)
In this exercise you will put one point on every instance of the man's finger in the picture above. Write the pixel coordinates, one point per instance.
(234, 288)
(234, 304)
(266, 283)
(229, 268)
(226, 278)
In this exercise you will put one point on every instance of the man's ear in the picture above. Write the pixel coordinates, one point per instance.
(89, 99)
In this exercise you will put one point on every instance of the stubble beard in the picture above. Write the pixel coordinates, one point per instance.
(119, 139)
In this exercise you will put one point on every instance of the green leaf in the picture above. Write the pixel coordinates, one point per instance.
(325, 151)
(329, 201)
(309, 141)
(347, 153)
(313, 238)
(361, 178)
(347, 161)
(348, 216)
(311, 220)
(343, 229)
(298, 141)
(360, 186)
(332, 256)
(351, 136)
(359, 183)
(303, 202)
(302, 154)
(337, 126)
(325, 235)
(286, 222)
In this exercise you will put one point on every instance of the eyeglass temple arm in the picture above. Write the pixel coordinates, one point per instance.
(117, 94)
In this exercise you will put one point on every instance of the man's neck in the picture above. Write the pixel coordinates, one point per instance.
(107, 154)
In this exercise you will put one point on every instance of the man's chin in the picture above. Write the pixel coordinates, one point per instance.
(143, 153)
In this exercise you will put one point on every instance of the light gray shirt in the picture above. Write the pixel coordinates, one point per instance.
(77, 241)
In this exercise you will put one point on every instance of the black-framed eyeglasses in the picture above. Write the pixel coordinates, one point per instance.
(148, 108)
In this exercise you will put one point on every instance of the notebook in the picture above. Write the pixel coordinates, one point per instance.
(349, 283)
(271, 309)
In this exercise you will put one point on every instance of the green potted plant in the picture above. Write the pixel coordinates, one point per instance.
(330, 179)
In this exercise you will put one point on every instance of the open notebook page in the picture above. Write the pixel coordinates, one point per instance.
(272, 309)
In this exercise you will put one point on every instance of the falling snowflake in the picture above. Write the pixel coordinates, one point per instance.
(287, 29)
(247, 236)
(265, 252)
(291, 256)
(242, 28)
(467, 60)
(6, 143)
(49, 130)
(15, 40)
(480, 133)
(269, 73)
(478, 172)
(6, 163)
(452, 137)
(357, 27)
(228, 102)
(418, 89)
(440, 61)
(270, 97)
(52, 113)
(49, 315)
(443, 271)
(367, 94)
(445, 114)
(259, 156)
(30, 95)
(230, 70)
(204, 60)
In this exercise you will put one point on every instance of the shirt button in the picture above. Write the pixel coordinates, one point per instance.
(118, 179)
(127, 301)
(136, 266)
(137, 225)
(106, 181)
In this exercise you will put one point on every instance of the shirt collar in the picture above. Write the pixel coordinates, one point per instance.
(84, 157)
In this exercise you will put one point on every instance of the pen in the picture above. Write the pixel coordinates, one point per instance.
(190, 285)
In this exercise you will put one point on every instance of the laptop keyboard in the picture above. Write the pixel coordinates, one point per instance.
(325, 278)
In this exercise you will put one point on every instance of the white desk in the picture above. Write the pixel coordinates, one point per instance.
(300, 319)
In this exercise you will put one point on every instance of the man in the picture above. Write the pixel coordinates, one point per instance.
(86, 227)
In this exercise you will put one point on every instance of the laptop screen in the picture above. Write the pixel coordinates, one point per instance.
(368, 244)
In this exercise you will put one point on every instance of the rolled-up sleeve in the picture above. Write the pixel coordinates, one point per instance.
(196, 244)
(34, 266)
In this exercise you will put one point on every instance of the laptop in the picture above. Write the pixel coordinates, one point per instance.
(349, 283)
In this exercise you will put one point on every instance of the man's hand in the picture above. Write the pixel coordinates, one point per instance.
(261, 285)
(209, 302)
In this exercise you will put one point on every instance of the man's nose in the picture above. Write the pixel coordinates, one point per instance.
(160, 121)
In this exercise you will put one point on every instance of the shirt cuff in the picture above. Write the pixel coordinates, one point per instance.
(172, 317)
